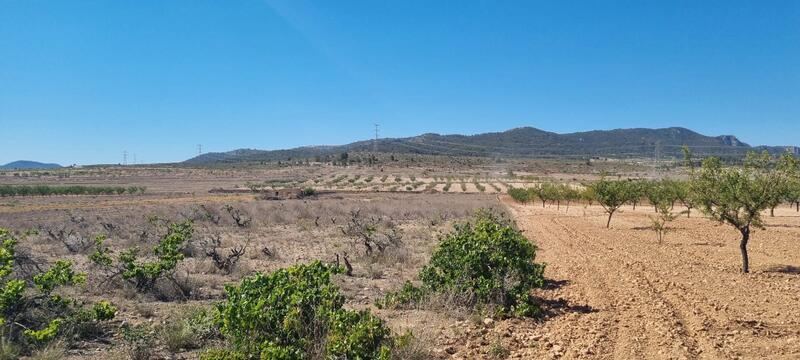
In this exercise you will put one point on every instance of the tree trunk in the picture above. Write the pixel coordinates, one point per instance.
(798, 206)
(543, 202)
(688, 212)
(608, 224)
(634, 206)
(743, 247)
(558, 205)
(772, 212)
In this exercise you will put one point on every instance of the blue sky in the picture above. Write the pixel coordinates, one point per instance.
(82, 81)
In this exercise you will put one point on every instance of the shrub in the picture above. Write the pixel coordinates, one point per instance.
(297, 313)
(309, 191)
(32, 316)
(487, 261)
(144, 274)
(660, 223)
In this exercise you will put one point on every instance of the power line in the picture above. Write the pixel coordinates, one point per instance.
(656, 159)
(125, 157)
(375, 143)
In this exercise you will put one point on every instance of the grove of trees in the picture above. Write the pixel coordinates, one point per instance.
(733, 195)
(45, 190)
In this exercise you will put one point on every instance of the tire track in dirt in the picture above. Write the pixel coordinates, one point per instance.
(670, 313)
(680, 299)
(648, 322)
(599, 325)
(630, 296)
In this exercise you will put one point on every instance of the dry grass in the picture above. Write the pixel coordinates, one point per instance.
(282, 233)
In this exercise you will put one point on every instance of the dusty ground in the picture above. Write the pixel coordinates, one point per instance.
(611, 293)
(295, 231)
(619, 294)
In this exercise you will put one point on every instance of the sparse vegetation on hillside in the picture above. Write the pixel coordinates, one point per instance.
(33, 312)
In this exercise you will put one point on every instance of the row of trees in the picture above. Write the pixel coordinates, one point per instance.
(44, 190)
(736, 196)
(611, 194)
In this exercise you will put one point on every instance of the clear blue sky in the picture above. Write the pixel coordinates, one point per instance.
(81, 81)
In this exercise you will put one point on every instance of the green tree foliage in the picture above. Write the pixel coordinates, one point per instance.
(520, 195)
(45, 190)
(737, 195)
(793, 192)
(296, 313)
(611, 195)
(487, 261)
(31, 316)
(661, 192)
(636, 191)
(682, 191)
(546, 192)
(568, 194)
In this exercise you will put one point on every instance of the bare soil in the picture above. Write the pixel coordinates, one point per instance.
(618, 294)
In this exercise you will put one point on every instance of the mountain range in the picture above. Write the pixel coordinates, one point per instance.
(28, 165)
(524, 142)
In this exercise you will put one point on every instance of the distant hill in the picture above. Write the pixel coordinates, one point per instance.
(525, 142)
(28, 165)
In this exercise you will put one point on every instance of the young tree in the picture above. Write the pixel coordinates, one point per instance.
(738, 195)
(611, 195)
(684, 194)
(569, 194)
(544, 192)
(660, 222)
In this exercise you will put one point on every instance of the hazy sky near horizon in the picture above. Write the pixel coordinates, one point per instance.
(83, 81)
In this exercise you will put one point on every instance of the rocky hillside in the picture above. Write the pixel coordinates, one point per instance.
(520, 142)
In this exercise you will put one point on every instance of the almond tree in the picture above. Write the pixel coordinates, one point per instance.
(737, 195)
(793, 192)
(684, 194)
(637, 191)
(611, 195)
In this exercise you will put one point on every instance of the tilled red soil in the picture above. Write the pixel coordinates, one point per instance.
(617, 293)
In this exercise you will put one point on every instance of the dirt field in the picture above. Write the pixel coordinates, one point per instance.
(618, 294)
(293, 231)
(611, 293)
